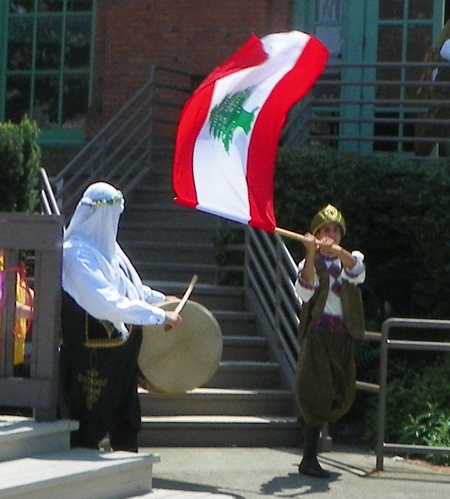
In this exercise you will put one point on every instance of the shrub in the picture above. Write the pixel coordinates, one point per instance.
(396, 212)
(19, 166)
(417, 408)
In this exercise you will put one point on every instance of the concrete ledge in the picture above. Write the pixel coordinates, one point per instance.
(78, 474)
(20, 437)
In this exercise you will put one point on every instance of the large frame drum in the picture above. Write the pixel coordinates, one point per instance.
(184, 358)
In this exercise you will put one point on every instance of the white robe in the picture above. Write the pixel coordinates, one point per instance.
(96, 272)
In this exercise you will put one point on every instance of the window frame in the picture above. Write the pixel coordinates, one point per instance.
(57, 135)
(360, 26)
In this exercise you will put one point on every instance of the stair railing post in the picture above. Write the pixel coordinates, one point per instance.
(278, 283)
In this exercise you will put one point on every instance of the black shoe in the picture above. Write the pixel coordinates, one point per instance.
(311, 467)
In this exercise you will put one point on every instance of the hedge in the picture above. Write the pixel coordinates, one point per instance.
(397, 213)
(19, 166)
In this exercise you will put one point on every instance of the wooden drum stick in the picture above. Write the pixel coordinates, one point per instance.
(183, 300)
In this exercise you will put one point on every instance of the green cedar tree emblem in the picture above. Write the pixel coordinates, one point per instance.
(227, 116)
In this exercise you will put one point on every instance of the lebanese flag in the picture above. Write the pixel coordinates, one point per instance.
(228, 132)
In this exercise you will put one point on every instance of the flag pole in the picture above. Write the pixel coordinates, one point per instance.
(299, 237)
(290, 234)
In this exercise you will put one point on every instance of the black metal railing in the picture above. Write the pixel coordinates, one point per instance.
(380, 107)
(125, 149)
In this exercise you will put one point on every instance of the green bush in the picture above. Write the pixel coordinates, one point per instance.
(19, 166)
(396, 212)
(417, 411)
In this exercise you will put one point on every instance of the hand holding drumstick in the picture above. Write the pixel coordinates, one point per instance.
(173, 319)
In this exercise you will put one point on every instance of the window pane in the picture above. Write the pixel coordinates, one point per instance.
(48, 61)
(420, 9)
(420, 39)
(331, 37)
(20, 43)
(79, 5)
(388, 91)
(48, 46)
(50, 5)
(390, 41)
(17, 105)
(391, 9)
(78, 41)
(46, 98)
(21, 6)
(75, 101)
(329, 11)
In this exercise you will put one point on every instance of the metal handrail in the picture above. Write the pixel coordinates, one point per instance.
(122, 151)
(387, 344)
(356, 106)
(270, 272)
(48, 197)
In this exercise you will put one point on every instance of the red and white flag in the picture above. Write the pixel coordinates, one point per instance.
(228, 133)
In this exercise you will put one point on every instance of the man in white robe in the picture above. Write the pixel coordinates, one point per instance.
(104, 306)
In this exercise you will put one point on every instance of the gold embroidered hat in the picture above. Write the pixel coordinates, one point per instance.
(328, 215)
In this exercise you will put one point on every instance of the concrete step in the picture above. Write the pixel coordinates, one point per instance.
(77, 474)
(221, 300)
(218, 401)
(157, 252)
(181, 494)
(158, 192)
(246, 375)
(207, 273)
(245, 348)
(20, 436)
(170, 271)
(236, 323)
(156, 230)
(169, 213)
(220, 431)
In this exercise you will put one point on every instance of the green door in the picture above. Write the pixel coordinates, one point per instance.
(361, 32)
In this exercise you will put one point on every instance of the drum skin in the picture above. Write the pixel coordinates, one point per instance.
(184, 358)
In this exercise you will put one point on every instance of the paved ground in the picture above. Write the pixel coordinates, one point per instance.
(249, 473)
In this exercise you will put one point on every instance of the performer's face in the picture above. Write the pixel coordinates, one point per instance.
(331, 230)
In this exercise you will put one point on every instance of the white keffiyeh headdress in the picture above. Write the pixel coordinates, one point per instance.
(93, 229)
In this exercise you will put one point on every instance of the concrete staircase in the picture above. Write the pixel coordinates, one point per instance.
(35, 462)
(246, 403)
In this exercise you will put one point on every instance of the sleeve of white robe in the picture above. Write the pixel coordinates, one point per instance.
(89, 288)
(445, 50)
(153, 296)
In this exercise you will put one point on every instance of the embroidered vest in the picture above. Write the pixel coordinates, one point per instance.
(352, 307)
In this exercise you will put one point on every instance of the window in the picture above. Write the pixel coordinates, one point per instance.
(329, 25)
(47, 74)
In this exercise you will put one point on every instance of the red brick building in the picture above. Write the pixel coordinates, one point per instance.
(131, 35)
(72, 64)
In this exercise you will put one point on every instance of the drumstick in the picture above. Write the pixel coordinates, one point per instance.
(183, 300)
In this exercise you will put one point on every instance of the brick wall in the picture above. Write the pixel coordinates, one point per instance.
(189, 35)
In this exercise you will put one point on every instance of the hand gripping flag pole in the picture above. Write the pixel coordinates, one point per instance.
(228, 133)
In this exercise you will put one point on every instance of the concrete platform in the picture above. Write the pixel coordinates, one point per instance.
(255, 473)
